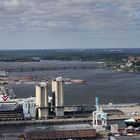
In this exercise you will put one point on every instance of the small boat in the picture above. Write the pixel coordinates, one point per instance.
(3, 73)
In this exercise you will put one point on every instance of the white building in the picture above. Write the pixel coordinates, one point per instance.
(28, 105)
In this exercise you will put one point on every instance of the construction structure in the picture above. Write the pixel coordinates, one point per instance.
(42, 100)
(99, 117)
(58, 96)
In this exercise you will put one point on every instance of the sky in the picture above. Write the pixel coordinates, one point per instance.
(65, 24)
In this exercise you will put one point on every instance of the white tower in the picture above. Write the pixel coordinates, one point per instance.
(58, 96)
(42, 100)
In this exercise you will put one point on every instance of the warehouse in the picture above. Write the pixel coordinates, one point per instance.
(71, 131)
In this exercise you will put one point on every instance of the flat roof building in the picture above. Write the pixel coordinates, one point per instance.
(71, 131)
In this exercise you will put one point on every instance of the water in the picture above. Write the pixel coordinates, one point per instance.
(107, 85)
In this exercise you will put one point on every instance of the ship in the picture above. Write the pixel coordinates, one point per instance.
(6, 94)
(9, 108)
(135, 122)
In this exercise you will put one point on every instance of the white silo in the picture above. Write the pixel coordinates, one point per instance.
(42, 100)
(58, 96)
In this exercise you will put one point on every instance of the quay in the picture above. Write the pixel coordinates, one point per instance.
(59, 121)
(49, 121)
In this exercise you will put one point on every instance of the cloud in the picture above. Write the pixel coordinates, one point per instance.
(11, 3)
(74, 15)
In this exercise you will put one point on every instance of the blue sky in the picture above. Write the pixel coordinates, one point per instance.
(51, 24)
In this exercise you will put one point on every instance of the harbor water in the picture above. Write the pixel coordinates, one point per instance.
(109, 86)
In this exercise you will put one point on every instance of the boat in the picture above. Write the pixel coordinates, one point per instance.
(135, 122)
(3, 73)
(77, 81)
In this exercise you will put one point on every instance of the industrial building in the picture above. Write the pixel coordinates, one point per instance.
(71, 131)
(44, 104)
(28, 106)
(21, 108)
(10, 111)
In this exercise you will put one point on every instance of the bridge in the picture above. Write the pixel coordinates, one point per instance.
(49, 68)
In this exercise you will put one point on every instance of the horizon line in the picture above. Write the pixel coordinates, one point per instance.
(30, 49)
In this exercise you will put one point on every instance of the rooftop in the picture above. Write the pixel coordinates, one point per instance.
(59, 127)
(135, 137)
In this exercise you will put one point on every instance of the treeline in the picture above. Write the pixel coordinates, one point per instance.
(106, 55)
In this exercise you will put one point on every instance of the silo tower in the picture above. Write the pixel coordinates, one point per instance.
(42, 100)
(58, 96)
